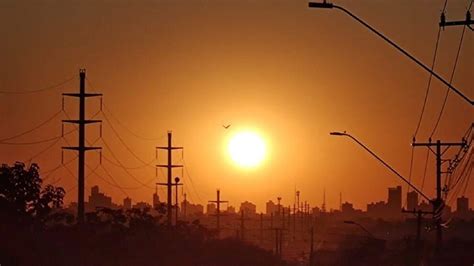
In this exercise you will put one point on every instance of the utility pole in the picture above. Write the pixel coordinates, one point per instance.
(323, 207)
(467, 22)
(242, 225)
(175, 184)
(81, 148)
(169, 167)
(438, 203)
(340, 201)
(311, 247)
(185, 203)
(218, 211)
(279, 205)
(419, 216)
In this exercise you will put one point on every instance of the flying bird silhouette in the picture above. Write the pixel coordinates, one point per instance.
(226, 126)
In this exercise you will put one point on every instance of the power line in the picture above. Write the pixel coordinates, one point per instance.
(37, 141)
(32, 129)
(123, 142)
(450, 82)
(51, 87)
(191, 180)
(128, 129)
(122, 167)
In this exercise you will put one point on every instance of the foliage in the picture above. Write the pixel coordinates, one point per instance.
(22, 197)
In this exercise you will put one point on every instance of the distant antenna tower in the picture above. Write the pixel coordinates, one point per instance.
(323, 207)
(340, 201)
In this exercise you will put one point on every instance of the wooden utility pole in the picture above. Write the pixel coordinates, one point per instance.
(438, 202)
(169, 183)
(311, 247)
(81, 148)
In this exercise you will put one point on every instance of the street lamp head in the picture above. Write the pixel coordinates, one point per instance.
(324, 4)
(335, 133)
(176, 179)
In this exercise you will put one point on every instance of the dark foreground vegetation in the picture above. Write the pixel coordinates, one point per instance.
(34, 230)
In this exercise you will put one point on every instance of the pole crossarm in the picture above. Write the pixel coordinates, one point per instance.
(86, 95)
(396, 46)
(87, 121)
(169, 148)
(467, 22)
(82, 148)
(172, 166)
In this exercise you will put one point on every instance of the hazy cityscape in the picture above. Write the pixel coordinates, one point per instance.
(236, 133)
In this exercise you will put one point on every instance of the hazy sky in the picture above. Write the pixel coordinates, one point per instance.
(290, 73)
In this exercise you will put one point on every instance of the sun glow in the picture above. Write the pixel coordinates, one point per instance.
(247, 149)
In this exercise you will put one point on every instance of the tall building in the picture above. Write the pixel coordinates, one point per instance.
(211, 208)
(99, 200)
(156, 200)
(231, 209)
(347, 207)
(462, 205)
(394, 203)
(192, 210)
(412, 200)
(271, 207)
(127, 203)
(248, 207)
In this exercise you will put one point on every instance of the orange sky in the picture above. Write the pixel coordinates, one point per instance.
(291, 73)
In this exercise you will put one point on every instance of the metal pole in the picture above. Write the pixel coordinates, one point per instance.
(418, 62)
(81, 151)
(169, 182)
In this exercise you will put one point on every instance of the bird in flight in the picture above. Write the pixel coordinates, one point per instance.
(226, 126)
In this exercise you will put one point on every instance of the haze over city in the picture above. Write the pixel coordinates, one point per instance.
(250, 91)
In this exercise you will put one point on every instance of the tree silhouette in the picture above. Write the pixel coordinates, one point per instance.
(22, 197)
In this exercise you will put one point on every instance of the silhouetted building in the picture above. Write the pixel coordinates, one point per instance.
(425, 206)
(412, 200)
(394, 202)
(156, 200)
(231, 209)
(462, 205)
(99, 200)
(142, 205)
(248, 207)
(347, 207)
(192, 210)
(127, 203)
(271, 207)
(211, 208)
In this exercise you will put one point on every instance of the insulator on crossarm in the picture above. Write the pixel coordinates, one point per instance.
(101, 103)
(156, 172)
(62, 108)
(100, 130)
(62, 157)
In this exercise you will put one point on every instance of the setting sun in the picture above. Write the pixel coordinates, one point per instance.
(247, 149)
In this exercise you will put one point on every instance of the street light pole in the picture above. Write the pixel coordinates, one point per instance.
(382, 161)
(331, 5)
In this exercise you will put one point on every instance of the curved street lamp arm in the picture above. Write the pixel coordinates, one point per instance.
(330, 5)
(388, 166)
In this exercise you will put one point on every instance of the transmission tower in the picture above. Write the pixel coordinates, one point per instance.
(81, 148)
(169, 183)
